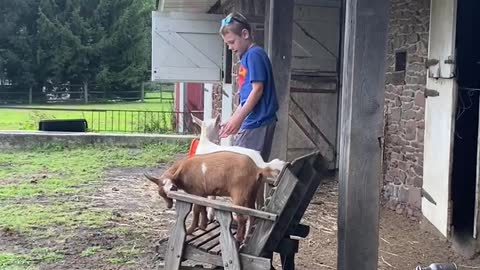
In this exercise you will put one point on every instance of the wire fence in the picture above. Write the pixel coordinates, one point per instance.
(105, 120)
(76, 93)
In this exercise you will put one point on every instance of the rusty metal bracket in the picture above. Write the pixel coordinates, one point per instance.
(431, 93)
(427, 196)
(225, 93)
(449, 62)
(431, 62)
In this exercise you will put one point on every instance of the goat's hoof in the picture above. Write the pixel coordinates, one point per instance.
(240, 240)
(190, 230)
(210, 214)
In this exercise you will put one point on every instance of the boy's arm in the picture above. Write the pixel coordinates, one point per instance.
(241, 112)
(252, 100)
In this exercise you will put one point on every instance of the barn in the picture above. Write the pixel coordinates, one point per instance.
(386, 90)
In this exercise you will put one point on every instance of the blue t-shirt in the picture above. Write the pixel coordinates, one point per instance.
(256, 67)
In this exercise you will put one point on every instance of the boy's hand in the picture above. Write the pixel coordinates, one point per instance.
(231, 127)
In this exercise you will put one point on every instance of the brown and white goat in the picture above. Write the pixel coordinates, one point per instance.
(215, 174)
(209, 143)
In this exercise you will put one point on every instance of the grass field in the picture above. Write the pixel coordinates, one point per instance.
(15, 119)
(53, 209)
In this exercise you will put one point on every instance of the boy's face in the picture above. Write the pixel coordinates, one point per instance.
(238, 44)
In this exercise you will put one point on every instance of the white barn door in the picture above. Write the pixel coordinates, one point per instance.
(186, 47)
(439, 115)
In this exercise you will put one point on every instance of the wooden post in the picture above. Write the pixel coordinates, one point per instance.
(207, 100)
(30, 96)
(279, 20)
(227, 109)
(85, 91)
(181, 107)
(142, 92)
(364, 51)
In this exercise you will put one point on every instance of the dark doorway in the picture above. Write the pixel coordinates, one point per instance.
(465, 152)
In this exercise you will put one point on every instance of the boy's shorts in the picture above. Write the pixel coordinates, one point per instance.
(259, 139)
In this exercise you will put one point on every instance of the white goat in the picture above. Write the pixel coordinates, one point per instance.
(209, 140)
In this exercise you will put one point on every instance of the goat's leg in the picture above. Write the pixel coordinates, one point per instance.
(240, 200)
(196, 214)
(203, 218)
(211, 213)
(260, 196)
(251, 219)
(241, 225)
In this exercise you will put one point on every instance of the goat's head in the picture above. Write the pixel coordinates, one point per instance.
(210, 128)
(164, 185)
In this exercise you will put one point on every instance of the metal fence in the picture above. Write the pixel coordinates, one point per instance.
(76, 93)
(104, 120)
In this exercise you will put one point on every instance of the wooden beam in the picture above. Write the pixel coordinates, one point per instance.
(220, 205)
(364, 51)
(279, 20)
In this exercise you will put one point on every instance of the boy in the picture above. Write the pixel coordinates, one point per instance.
(254, 121)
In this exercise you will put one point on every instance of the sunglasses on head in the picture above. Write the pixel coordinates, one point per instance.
(230, 19)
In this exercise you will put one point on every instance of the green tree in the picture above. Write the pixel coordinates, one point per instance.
(87, 42)
(18, 42)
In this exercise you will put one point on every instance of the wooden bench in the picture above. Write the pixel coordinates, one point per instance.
(275, 224)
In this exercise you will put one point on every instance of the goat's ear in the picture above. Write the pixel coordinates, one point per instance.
(217, 120)
(196, 120)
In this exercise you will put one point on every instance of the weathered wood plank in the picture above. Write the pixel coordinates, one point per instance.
(288, 212)
(361, 129)
(248, 262)
(199, 232)
(195, 254)
(214, 233)
(264, 228)
(279, 48)
(326, 82)
(219, 205)
(182, 268)
(299, 230)
(311, 130)
(313, 91)
(313, 173)
(287, 249)
(210, 245)
(217, 249)
(178, 234)
(230, 257)
(298, 199)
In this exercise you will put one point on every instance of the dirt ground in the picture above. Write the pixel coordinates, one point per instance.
(141, 221)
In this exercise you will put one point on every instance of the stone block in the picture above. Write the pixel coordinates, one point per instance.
(411, 130)
(396, 114)
(415, 198)
(410, 114)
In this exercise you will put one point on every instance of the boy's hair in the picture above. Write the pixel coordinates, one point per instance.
(235, 22)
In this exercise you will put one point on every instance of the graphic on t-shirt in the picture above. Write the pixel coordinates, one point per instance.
(242, 73)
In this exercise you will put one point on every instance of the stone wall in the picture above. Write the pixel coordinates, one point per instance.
(217, 100)
(32, 139)
(404, 105)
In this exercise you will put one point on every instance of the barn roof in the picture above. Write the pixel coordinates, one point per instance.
(194, 6)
